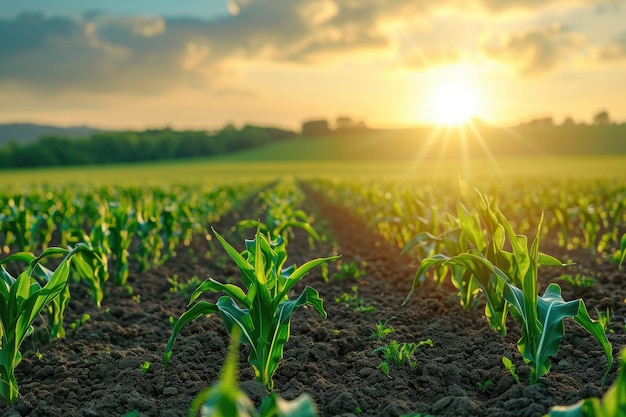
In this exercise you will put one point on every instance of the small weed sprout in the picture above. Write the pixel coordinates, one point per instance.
(80, 322)
(382, 329)
(350, 270)
(186, 289)
(400, 354)
(484, 385)
(578, 280)
(604, 318)
(144, 367)
(354, 302)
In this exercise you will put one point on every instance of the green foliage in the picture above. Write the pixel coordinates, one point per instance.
(354, 302)
(620, 255)
(604, 318)
(509, 278)
(382, 329)
(21, 301)
(145, 367)
(578, 280)
(149, 145)
(613, 404)
(225, 399)
(509, 366)
(263, 315)
(350, 270)
(400, 354)
(186, 289)
(484, 385)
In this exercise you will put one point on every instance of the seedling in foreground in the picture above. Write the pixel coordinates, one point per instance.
(263, 315)
(21, 301)
(225, 399)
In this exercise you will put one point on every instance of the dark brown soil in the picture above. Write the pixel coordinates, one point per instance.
(96, 369)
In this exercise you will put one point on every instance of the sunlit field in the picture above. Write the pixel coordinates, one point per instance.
(312, 208)
(326, 157)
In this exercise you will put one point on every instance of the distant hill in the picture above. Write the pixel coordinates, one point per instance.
(29, 132)
(427, 143)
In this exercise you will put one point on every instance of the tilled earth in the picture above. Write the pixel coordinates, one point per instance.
(96, 369)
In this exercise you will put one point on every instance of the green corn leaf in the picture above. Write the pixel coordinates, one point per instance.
(541, 339)
(247, 270)
(21, 301)
(233, 317)
(425, 265)
(298, 274)
(215, 286)
(418, 239)
(622, 247)
(301, 225)
(199, 309)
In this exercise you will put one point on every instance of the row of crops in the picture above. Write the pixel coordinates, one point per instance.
(485, 243)
(582, 214)
(99, 232)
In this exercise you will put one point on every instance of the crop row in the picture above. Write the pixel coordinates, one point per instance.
(477, 241)
(582, 214)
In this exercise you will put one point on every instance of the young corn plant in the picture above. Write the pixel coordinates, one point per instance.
(21, 301)
(225, 399)
(480, 234)
(263, 314)
(509, 280)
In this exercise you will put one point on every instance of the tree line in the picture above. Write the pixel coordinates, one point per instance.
(123, 147)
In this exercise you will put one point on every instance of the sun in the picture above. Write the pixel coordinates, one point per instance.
(454, 103)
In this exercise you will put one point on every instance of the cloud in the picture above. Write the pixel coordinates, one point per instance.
(614, 51)
(425, 59)
(106, 53)
(536, 51)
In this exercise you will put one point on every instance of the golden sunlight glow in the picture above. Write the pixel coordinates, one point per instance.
(453, 103)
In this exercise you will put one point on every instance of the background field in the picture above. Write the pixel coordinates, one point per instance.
(329, 157)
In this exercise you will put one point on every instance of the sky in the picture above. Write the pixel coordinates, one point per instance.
(198, 64)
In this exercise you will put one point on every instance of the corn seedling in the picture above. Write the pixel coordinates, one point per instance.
(613, 404)
(121, 231)
(145, 367)
(225, 399)
(509, 366)
(263, 315)
(21, 301)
